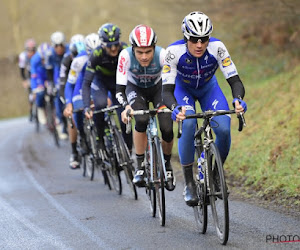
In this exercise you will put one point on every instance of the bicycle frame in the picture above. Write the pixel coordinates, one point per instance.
(152, 135)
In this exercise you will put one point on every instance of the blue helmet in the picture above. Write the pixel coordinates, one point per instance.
(109, 34)
(44, 50)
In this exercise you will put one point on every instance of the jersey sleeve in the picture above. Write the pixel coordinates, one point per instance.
(169, 71)
(123, 68)
(22, 60)
(224, 60)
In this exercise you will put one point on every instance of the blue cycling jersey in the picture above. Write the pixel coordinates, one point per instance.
(38, 71)
(54, 61)
(194, 79)
(73, 89)
(196, 72)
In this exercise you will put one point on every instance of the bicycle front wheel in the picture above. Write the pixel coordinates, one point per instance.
(159, 181)
(200, 211)
(218, 194)
(125, 162)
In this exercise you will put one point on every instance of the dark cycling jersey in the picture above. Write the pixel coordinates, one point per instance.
(103, 67)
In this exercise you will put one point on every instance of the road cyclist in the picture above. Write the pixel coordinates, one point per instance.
(189, 76)
(138, 83)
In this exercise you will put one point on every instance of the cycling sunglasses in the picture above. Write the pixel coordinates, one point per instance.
(58, 45)
(203, 39)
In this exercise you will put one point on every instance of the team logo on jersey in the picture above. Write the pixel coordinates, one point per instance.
(121, 65)
(206, 58)
(226, 62)
(188, 61)
(207, 79)
(221, 52)
(169, 57)
(166, 69)
(73, 72)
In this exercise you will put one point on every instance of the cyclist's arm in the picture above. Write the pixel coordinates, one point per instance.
(230, 72)
(49, 65)
(23, 74)
(237, 87)
(63, 74)
(86, 85)
(169, 73)
(122, 77)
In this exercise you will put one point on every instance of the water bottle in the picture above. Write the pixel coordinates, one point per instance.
(200, 167)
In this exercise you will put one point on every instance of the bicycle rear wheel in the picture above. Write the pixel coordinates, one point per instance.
(114, 175)
(159, 181)
(218, 194)
(125, 162)
(200, 211)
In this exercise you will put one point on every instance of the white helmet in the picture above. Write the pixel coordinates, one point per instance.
(77, 38)
(196, 24)
(57, 38)
(92, 41)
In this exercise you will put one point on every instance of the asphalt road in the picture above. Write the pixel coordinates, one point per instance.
(45, 205)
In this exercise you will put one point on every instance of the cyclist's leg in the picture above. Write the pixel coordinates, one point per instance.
(166, 128)
(214, 99)
(79, 123)
(30, 101)
(186, 147)
(136, 97)
(59, 107)
(40, 103)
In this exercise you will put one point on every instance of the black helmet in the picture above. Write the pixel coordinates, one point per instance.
(109, 34)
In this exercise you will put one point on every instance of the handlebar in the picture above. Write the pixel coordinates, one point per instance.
(211, 113)
(150, 112)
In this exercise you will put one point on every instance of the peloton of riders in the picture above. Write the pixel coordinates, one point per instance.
(101, 68)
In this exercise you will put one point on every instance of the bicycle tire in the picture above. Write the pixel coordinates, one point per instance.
(90, 167)
(159, 181)
(92, 156)
(84, 163)
(220, 210)
(125, 161)
(114, 174)
(150, 190)
(200, 211)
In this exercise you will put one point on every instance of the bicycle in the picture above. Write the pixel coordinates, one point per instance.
(95, 154)
(117, 148)
(50, 94)
(156, 177)
(210, 180)
(83, 151)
